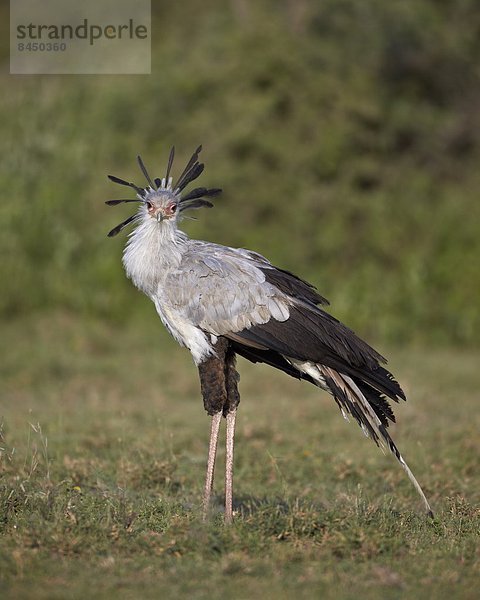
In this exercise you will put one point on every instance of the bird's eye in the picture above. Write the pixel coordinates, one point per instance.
(148, 205)
(173, 208)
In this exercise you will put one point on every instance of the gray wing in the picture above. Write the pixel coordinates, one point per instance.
(241, 295)
(223, 291)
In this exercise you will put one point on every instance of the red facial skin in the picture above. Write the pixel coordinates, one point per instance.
(168, 211)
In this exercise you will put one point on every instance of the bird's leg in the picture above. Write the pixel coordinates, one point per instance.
(230, 411)
(229, 466)
(212, 451)
(212, 383)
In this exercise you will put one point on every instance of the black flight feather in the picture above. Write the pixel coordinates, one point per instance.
(292, 285)
(256, 355)
(375, 398)
(314, 335)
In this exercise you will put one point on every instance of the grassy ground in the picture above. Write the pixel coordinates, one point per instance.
(104, 444)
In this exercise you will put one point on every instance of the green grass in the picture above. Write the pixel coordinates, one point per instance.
(104, 443)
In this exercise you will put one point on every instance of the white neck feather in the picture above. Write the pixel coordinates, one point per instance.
(152, 250)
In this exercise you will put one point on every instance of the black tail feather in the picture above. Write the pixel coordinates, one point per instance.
(377, 401)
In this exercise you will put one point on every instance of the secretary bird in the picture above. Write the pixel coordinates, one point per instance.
(219, 302)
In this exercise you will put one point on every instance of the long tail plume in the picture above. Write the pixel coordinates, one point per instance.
(352, 401)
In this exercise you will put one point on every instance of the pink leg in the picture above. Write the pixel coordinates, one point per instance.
(229, 466)
(212, 451)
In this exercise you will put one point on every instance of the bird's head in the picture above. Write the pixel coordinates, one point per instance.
(161, 205)
(161, 200)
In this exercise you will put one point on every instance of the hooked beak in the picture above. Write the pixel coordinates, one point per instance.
(157, 213)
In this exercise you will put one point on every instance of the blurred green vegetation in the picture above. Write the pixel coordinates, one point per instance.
(346, 137)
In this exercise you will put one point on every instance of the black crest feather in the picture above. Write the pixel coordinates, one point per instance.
(198, 203)
(170, 163)
(196, 198)
(122, 201)
(145, 172)
(139, 190)
(201, 193)
(116, 230)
